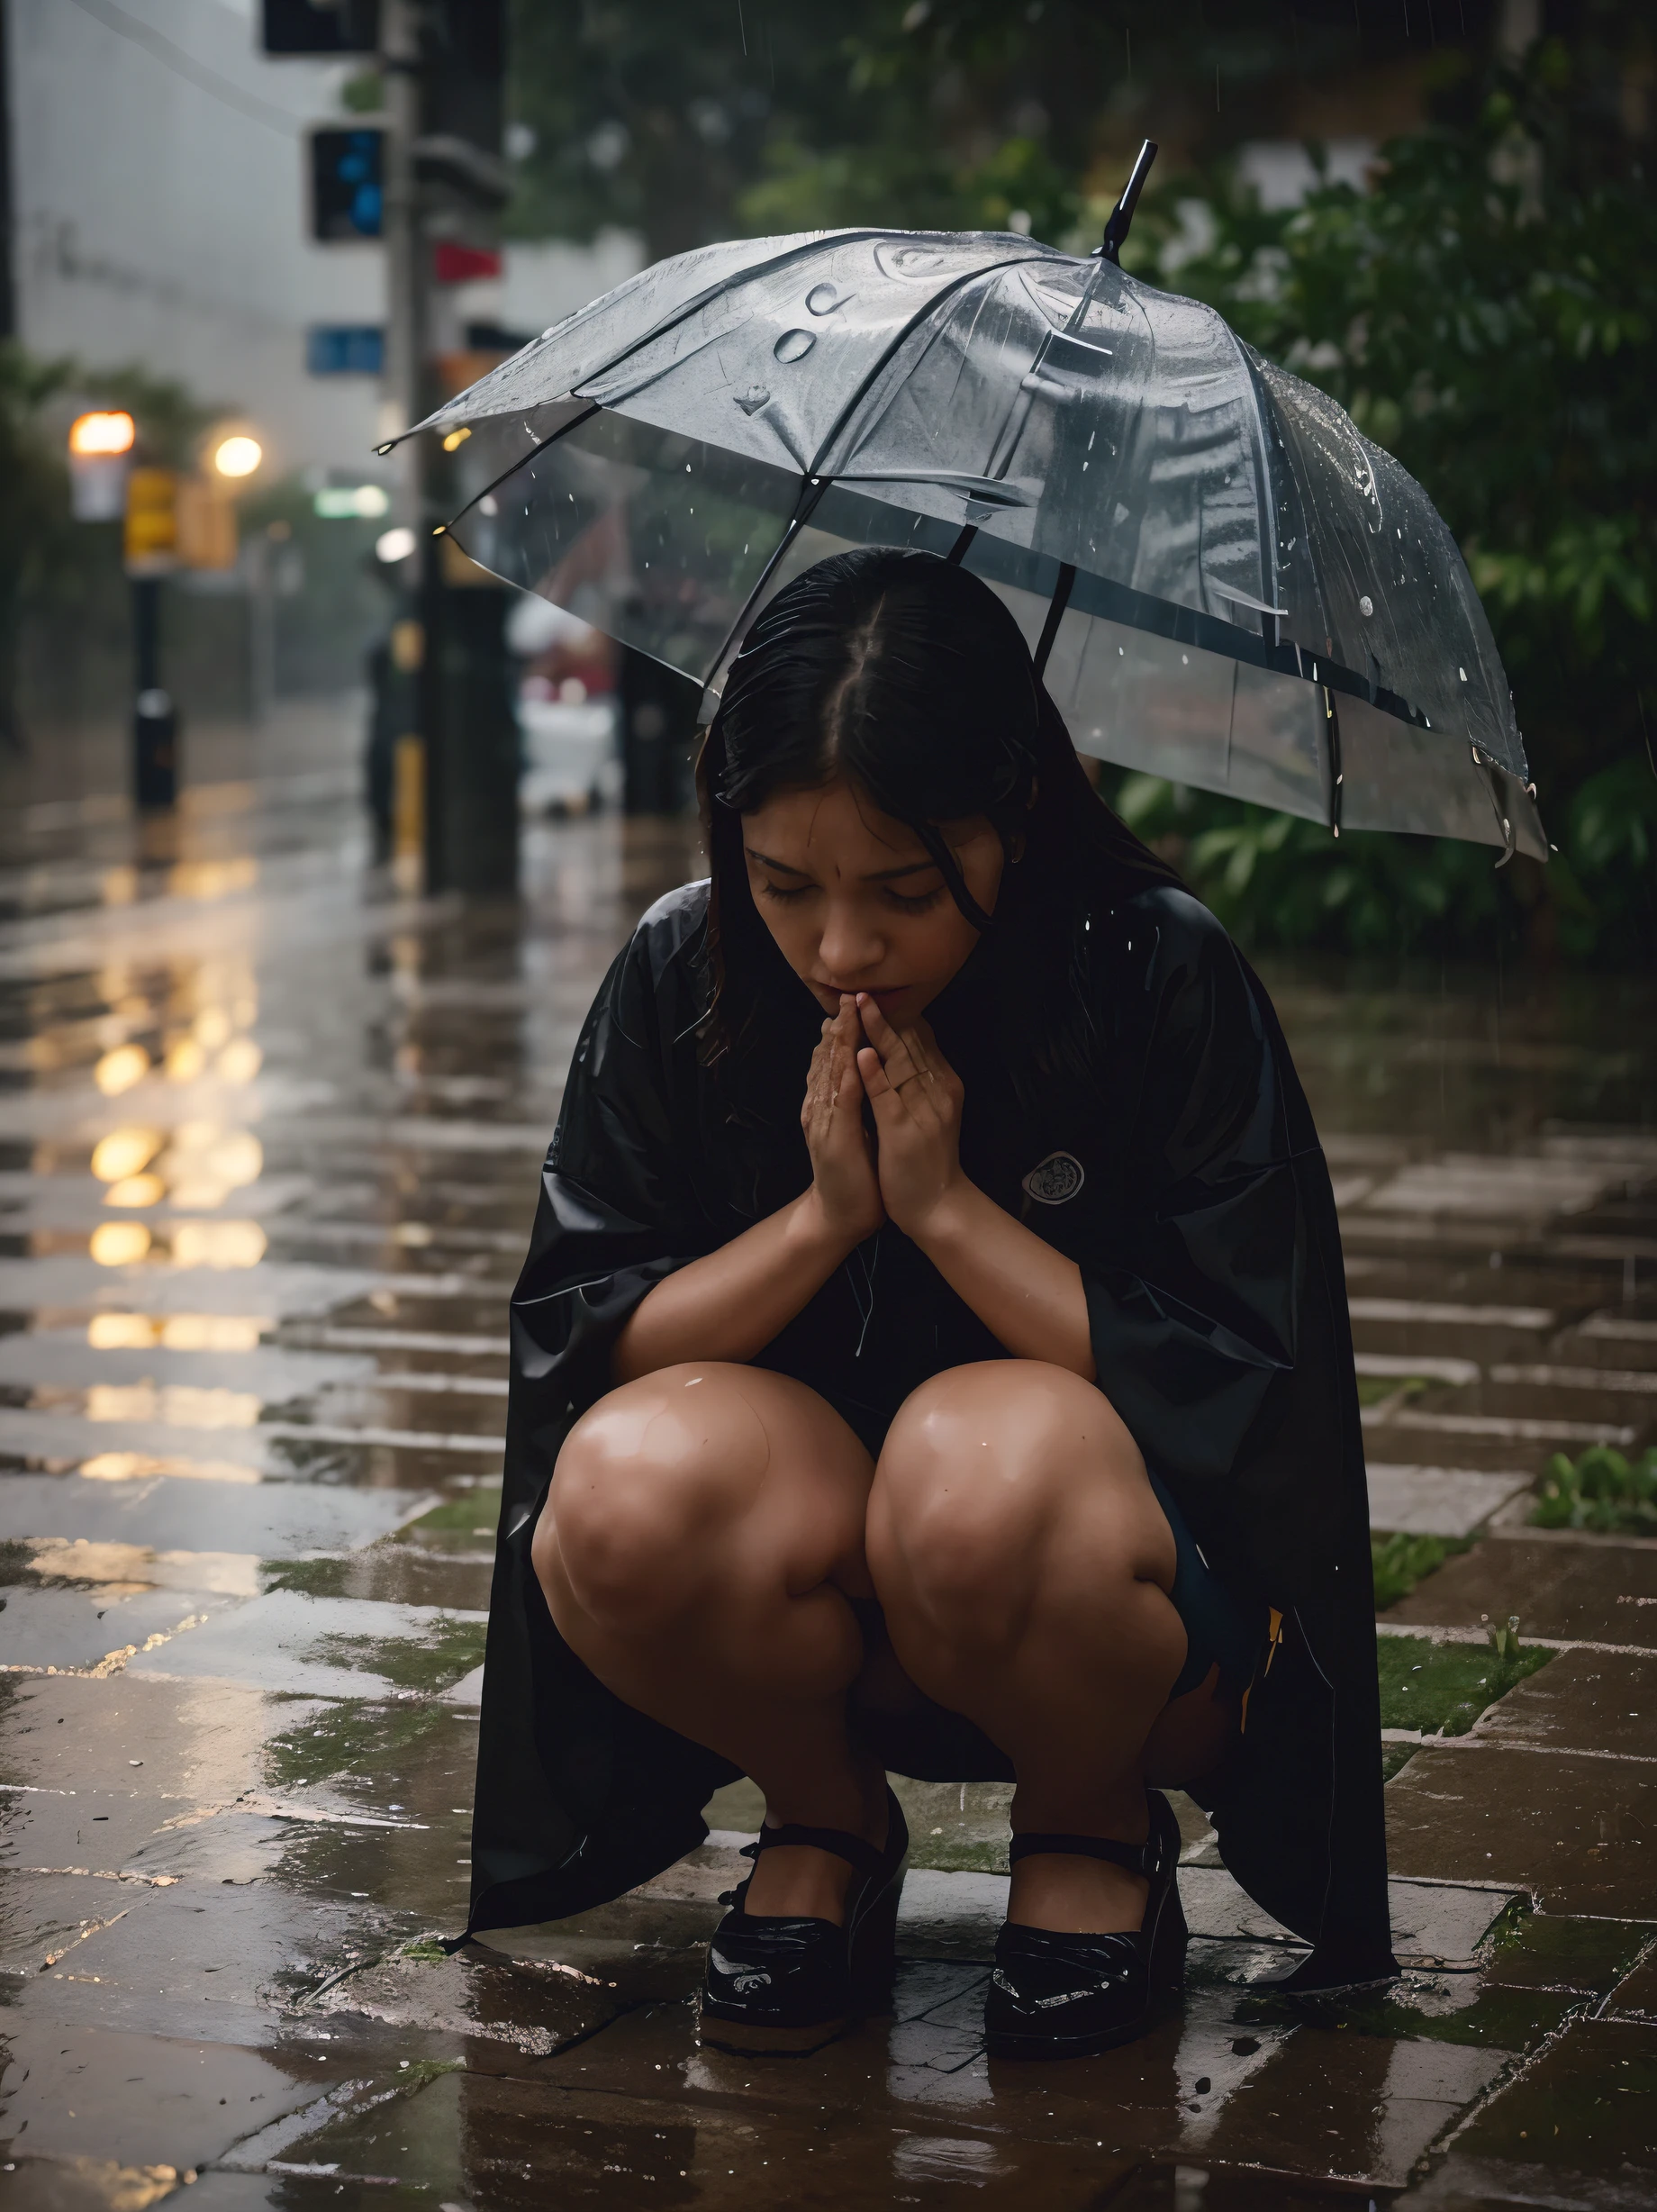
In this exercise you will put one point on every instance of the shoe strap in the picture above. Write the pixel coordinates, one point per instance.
(1144, 1859)
(860, 1855)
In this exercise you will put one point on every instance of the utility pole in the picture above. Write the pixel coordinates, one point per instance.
(457, 772)
(429, 181)
(401, 64)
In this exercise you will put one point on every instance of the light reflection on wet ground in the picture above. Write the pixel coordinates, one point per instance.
(269, 1139)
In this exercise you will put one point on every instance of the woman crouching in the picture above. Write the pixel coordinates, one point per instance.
(988, 1416)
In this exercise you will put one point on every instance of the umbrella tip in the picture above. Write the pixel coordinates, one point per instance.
(1110, 247)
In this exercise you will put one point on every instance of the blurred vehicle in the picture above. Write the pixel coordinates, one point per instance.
(566, 710)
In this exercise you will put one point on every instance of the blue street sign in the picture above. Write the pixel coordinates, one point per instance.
(344, 349)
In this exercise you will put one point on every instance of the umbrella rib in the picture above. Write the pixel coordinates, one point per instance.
(657, 330)
(1332, 737)
(901, 337)
(809, 493)
(522, 461)
(1056, 615)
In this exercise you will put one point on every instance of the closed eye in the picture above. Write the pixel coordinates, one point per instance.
(915, 902)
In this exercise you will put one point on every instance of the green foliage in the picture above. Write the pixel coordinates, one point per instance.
(1601, 1491)
(1400, 1561)
(1443, 1688)
(1489, 314)
(1274, 880)
(692, 120)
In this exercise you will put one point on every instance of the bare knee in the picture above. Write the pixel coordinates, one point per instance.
(988, 1473)
(648, 1480)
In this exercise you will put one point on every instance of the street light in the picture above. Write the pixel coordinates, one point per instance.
(237, 456)
(100, 461)
(102, 435)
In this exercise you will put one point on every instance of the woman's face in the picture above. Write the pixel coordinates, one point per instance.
(856, 903)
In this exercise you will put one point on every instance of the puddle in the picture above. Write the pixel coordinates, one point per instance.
(299, 1448)
(335, 1647)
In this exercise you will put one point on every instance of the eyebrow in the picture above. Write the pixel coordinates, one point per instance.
(880, 875)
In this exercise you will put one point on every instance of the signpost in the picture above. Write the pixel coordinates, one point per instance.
(344, 349)
(427, 180)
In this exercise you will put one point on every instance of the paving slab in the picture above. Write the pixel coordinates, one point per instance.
(337, 1648)
(1438, 1501)
(477, 2138)
(1571, 1954)
(138, 2100)
(393, 1572)
(1505, 1190)
(172, 1513)
(83, 1628)
(221, 1957)
(65, 1358)
(1635, 1996)
(1560, 1586)
(205, 1743)
(1586, 2105)
(1581, 1701)
(530, 2008)
(1575, 1832)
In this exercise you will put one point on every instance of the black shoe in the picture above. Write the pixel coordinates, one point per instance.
(1059, 1996)
(776, 1984)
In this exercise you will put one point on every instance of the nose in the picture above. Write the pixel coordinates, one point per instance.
(850, 949)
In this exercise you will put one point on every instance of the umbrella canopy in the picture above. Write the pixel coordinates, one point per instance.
(1222, 580)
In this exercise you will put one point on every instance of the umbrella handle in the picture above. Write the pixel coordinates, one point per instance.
(1110, 246)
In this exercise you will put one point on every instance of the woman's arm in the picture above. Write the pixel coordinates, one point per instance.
(1030, 1297)
(730, 1303)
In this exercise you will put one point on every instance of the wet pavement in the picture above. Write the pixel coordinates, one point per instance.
(269, 1130)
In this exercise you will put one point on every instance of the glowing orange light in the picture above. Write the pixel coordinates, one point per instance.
(102, 433)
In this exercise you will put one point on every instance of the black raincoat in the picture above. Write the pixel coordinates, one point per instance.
(1204, 1226)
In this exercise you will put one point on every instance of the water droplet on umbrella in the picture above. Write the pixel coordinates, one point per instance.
(1366, 605)
(794, 345)
(753, 399)
(823, 299)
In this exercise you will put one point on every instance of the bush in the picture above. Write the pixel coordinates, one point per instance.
(1601, 1491)
(1489, 314)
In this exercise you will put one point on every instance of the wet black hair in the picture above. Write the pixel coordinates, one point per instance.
(906, 675)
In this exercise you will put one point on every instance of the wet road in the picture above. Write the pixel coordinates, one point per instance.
(269, 1139)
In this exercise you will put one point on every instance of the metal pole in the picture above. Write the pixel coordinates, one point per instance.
(405, 318)
(401, 62)
(154, 722)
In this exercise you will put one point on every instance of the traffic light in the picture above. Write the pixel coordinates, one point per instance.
(321, 26)
(347, 183)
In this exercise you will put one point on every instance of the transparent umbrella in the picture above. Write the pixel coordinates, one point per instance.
(1221, 579)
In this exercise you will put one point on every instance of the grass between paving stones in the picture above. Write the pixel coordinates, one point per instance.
(1375, 1390)
(1401, 1561)
(1601, 1491)
(1497, 2018)
(435, 1659)
(313, 1578)
(349, 1741)
(1442, 1689)
(474, 1513)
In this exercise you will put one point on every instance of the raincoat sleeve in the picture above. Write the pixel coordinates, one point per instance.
(615, 1213)
(1193, 1309)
